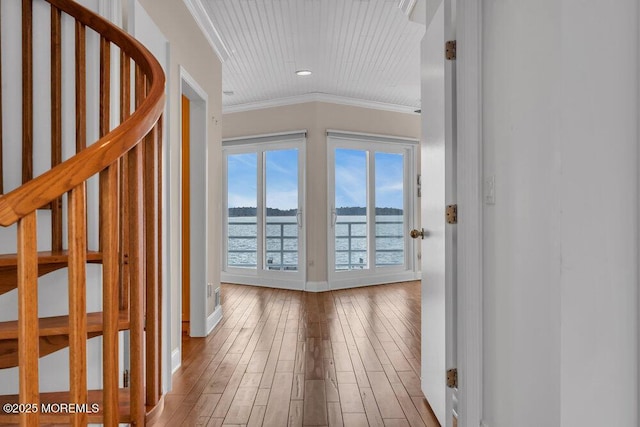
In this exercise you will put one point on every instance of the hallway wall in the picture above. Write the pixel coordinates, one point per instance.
(190, 49)
(560, 88)
(317, 117)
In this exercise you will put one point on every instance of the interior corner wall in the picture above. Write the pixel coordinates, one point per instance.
(317, 117)
(560, 135)
(190, 49)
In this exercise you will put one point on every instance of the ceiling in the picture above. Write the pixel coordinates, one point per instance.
(363, 52)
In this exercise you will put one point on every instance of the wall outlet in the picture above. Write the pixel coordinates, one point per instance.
(209, 290)
(217, 298)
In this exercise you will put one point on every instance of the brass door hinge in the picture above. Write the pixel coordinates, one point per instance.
(452, 214)
(452, 378)
(450, 50)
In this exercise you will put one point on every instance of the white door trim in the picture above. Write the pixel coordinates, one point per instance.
(190, 88)
(470, 203)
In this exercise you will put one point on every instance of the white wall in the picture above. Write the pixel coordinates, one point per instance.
(190, 50)
(317, 117)
(560, 88)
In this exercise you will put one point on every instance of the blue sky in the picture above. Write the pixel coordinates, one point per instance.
(351, 172)
(282, 179)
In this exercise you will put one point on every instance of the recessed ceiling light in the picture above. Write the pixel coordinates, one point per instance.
(303, 72)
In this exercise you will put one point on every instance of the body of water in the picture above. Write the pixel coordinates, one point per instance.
(282, 242)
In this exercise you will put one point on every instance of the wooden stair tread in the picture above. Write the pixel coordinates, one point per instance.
(94, 396)
(48, 257)
(59, 325)
(47, 262)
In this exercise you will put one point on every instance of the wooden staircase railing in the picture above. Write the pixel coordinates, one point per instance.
(127, 160)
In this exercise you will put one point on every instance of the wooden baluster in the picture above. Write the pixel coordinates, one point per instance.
(152, 328)
(28, 331)
(77, 229)
(136, 283)
(137, 266)
(125, 112)
(110, 292)
(105, 102)
(81, 87)
(159, 145)
(56, 121)
(27, 91)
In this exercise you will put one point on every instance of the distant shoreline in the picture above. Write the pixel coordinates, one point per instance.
(352, 210)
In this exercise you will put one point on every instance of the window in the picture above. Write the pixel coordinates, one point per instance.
(370, 183)
(264, 217)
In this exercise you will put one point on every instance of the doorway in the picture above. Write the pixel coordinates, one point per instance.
(264, 227)
(371, 186)
(193, 294)
(186, 215)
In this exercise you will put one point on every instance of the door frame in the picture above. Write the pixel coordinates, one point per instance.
(470, 206)
(469, 187)
(261, 144)
(369, 142)
(199, 105)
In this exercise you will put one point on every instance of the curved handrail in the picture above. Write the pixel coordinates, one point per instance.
(69, 174)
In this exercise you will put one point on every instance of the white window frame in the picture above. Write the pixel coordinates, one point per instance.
(260, 276)
(372, 143)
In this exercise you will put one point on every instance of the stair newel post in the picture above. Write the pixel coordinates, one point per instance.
(125, 112)
(137, 266)
(28, 331)
(56, 121)
(110, 291)
(151, 260)
(77, 230)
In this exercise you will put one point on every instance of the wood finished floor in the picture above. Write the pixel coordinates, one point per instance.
(288, 358)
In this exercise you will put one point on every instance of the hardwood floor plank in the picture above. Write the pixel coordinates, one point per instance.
(277, 412)
(331, 381)
(257, 416)
(295, 413)
(241, 406)
(334, 413)
(385, 396)
(350, 398)
(315, 403)
(371, 408)
(280, 357)
(355, 420)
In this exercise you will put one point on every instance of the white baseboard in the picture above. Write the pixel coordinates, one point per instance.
(316, 286)
(323, 286)
(270, 282)
(176, 360)
(378, 279)
(213, 319)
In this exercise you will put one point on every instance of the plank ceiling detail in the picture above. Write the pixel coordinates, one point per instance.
(366, 50)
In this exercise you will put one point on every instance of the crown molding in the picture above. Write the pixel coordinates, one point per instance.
(407, 6)
(209, 30)
(318, 97)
